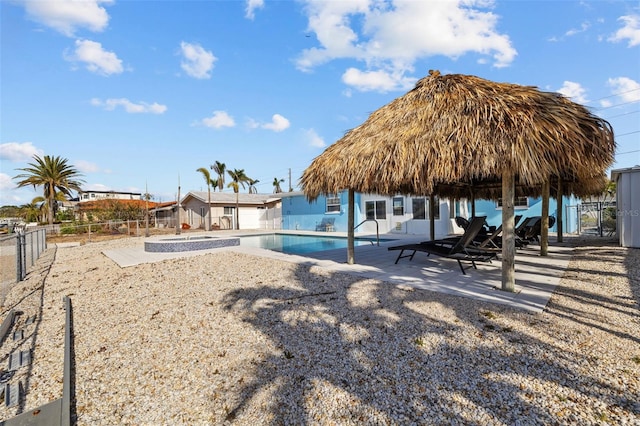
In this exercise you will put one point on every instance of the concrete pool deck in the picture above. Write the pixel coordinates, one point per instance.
(536, 276)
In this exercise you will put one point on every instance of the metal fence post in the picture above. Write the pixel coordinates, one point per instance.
(18, 269)
(21, 255)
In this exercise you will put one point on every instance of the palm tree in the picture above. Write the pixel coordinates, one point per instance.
(219, 168)
(276, 185)
(237, 178)
(54, 175)
(252, 185)
(31, 212)
(210, 183)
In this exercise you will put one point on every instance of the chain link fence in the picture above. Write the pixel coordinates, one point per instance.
(594, 218)
(19, 252)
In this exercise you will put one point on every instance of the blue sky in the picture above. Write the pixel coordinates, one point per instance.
(142, 93)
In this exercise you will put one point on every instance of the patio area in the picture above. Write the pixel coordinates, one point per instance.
(536, 276)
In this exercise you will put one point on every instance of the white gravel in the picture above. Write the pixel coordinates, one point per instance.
(229, 338)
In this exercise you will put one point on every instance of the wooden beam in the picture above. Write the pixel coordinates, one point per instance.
(351, 259)
(560, 209)
(473, 203)
(432, 209)
(544, 225)
(508, 231)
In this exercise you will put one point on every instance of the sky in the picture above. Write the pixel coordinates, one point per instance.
(137, 95)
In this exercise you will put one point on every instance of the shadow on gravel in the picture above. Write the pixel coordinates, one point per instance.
(381, 356)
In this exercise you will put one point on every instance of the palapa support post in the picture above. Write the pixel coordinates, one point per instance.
(432, 217)
(559, 214)
(350, 231)
(544, 225)
(508, 231)
(473, 203)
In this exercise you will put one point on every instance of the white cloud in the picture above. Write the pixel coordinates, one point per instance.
(376, 80)
(130, 107)
(197, 62)
(86, 166)
(218, 120)
(66, 16)
(627, 89)
(313, 139)
(6, 183)
(96, 187)
(96, 59)
(575, 91)
(252, 124)
(630, 30)
(583, 27)
(19, 152)
(252, 5)
(392, 36)
(278, 123)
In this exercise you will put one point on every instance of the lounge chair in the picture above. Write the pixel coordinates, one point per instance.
(493, 241)
(485, 230)
(532, 230)
(460, 249)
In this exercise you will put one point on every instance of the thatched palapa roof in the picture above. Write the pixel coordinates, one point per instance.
(454, 130)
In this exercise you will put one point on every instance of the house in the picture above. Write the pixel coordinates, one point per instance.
(532, 206)
(628, 205)
(400, 214)
(164, 214)
(373, 213)
(98, 195)
(256, 211)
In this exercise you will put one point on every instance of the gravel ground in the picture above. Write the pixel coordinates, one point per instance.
(229, 338)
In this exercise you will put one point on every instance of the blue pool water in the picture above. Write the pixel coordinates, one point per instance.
(298, 244)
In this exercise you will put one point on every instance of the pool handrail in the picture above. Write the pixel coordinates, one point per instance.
(377, 229)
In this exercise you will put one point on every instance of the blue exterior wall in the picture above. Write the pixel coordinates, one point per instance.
(300, 214)
(494, 215)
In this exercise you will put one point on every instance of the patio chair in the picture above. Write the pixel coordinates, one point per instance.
(459, 249)
(326, 224)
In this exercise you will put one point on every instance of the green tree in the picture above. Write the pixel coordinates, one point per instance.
(54, 175)
(252, 185)
(32, 212)
(238, 177)
(10, 211)
(219, 168)
(276, 185)
(210, 182)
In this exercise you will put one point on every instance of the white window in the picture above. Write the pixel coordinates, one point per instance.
(228, 210)
(398, 206)
(519, 202)
(333, 204)
(376, 209)
(419, 207)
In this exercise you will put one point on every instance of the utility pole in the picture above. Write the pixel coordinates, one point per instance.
(178, 224)
(146, 208)
(290, 188)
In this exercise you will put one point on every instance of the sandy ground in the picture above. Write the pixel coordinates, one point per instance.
(238, 339)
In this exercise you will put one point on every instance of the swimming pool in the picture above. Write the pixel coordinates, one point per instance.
(299, 244)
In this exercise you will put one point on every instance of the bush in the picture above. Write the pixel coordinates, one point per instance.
(68, 230)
